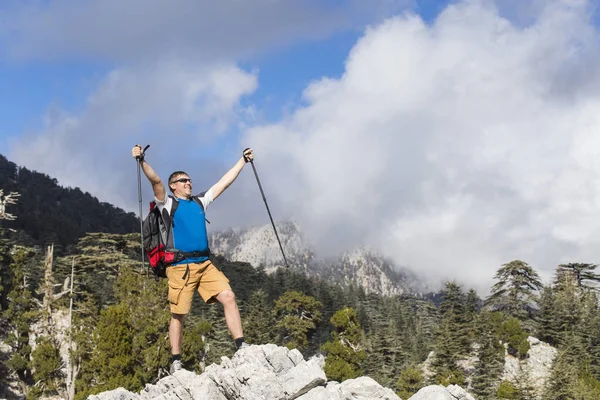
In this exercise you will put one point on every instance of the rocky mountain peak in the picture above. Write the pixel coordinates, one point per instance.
(271, 372)
(362, 267)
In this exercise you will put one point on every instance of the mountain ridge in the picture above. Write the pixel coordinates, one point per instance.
(362, 267)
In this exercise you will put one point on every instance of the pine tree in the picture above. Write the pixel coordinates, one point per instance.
(101, 258)
(490, 358)
(507, 390)
(409, 382)
(384, 345)
(546, 329)
(577, 315)
(511, 333)
(567, 309)
(382, 351)
(453, 340)
(259, 319)
(113, 360)
(411, 339)
(563, 379)
(85, 320)
(149, 320)
(219, 342)
(332, 298)
(472, 307)
(21, 312)
(427, 319)
(297, 317)
(196, 343)
(345, 352)
(515, 291)
(45, 364)
(583, 274)
(589, 332)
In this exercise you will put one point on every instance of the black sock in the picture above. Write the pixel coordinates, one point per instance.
(238, 342)
(175, 357)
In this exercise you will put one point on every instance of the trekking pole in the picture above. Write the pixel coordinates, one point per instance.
(139, 178)
(268, 211)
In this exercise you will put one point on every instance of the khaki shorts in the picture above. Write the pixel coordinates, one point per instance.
(185, 279)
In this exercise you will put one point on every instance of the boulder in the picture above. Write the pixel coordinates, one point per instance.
(437, 392)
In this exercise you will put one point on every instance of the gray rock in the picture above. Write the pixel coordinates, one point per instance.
(302, 378)
(116, 394)
(264, 372)
(200, 386)
(363, 388)
(433, 392)
(459, 393)
(163, 386)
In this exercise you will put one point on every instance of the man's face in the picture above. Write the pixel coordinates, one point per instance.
(182, 186)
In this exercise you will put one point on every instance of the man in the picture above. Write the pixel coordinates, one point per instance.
(190, 236)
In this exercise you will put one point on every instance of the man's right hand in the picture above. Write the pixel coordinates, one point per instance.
(136, 152)
(159, 189)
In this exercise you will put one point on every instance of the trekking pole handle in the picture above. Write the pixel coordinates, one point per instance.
(244, 154)
(141, 156)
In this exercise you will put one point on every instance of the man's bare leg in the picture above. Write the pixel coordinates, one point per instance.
(176, 332)
(232, 313)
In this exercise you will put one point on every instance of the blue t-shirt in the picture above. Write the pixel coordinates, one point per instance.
(189, 226)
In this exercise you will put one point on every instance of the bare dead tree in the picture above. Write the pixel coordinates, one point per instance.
(10, 198)
(73, 366)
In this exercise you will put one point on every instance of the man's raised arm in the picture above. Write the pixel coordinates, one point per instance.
(232, 174)
(157, 185)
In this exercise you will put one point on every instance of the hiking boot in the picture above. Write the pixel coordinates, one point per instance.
(176, 366)
(242, 346)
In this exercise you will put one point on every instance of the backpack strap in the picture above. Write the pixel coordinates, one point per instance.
(169, 217)
(196, 198)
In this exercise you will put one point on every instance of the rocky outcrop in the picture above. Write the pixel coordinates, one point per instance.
(254, 373)
(534, 371)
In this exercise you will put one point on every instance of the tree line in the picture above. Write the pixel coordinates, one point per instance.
(48, 213)
(119, 330)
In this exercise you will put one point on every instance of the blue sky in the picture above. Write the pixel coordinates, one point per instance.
(469, 127)
(30, 88)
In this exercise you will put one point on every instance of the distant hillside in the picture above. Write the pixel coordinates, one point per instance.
(48, 213)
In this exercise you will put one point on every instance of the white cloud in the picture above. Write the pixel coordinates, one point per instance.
(454, 147)
(202, 30)
(175, 106)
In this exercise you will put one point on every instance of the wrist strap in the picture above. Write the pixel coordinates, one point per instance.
(141, 158)
(244, 154)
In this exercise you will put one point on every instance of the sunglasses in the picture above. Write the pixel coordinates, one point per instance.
(183, 180)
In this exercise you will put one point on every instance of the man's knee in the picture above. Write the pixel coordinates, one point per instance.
(178, 317)
(226, 297)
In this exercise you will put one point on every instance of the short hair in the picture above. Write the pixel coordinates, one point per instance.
(175, 175)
